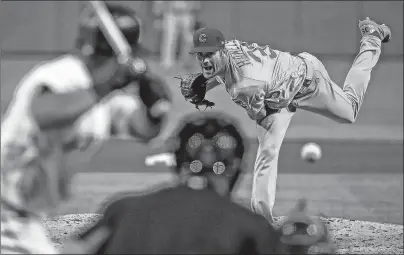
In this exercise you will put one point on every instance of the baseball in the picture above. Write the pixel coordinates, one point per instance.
(311, 152)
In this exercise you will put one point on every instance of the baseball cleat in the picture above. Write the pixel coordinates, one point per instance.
(369, 27)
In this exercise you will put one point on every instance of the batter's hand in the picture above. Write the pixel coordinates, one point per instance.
(113, 74)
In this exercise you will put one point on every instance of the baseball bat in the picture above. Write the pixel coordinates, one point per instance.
(112, 32)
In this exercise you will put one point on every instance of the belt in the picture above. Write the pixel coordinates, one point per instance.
(305, 86)
(309, 77)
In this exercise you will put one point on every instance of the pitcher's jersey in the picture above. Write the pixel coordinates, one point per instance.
(266, 76)
(24, 147)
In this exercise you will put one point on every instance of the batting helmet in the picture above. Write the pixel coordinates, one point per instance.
(210, 143)
(90, 37)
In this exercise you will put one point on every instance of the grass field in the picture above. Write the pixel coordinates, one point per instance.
(358, 178)
(350, 196)
(338, 185)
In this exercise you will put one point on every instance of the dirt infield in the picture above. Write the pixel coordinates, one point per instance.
(349, 236)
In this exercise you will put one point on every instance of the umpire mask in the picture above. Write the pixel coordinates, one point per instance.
(210, 152)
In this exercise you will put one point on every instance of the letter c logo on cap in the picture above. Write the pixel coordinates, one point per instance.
(202, 38)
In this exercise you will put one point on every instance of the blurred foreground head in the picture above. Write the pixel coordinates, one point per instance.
(209, 149)
(304, 234)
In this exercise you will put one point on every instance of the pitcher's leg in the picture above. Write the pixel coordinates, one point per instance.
(358, 77)
(271, 133)
(264, 183)
(343, 104)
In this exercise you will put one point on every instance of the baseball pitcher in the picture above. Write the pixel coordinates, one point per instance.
(270, 85)
(71, 103)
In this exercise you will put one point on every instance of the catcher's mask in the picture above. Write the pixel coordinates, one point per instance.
(209, 147)
(91, 40)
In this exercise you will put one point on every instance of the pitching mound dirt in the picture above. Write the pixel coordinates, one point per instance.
(349, 236)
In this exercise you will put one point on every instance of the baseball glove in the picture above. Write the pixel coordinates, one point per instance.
(193, 88)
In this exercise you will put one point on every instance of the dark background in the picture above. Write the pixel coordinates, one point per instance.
(328, 27)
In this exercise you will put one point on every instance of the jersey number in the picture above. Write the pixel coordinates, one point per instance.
(253, 48)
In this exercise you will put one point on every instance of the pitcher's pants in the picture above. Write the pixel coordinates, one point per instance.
(327, 99)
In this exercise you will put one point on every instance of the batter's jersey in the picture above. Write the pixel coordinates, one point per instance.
(180, 220)
(260, 76)
(27, 151)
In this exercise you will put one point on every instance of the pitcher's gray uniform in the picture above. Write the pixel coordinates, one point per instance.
(271, 84)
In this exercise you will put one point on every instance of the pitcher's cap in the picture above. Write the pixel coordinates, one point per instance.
(207, 40)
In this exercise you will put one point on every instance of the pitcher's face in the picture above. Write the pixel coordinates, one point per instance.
(211, 63)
